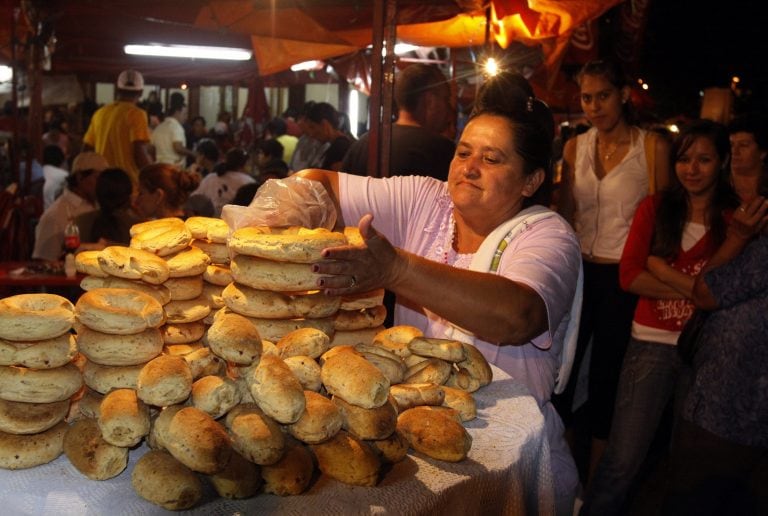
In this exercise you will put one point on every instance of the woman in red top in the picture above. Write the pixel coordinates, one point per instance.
(673, 235)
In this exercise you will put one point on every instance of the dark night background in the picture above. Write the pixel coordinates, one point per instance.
(690, 45)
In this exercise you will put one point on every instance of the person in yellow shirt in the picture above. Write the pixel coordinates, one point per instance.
(119, 131)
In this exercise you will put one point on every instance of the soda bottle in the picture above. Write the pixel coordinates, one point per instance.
(71, 237)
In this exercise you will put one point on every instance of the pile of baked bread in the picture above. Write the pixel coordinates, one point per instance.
(253, 385)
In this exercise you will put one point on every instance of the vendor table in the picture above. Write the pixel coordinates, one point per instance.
(507, 472)
(34, 274)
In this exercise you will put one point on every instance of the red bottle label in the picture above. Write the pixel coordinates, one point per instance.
(72, 241)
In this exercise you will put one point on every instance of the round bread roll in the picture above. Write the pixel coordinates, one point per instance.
(276, 390)
(103, 379)
(182, 333)
(275, 329)
(277, 305)
(87, 262)
(163, 240)
(218, 274)
(181, 350)
(28, 451)
(162, 480)
(432, 370)
(461, 379)
(159, 292)
(135, 264)
(306, 370)
(190, 261)
(309, 342)
(476, 365)
(217, 252)
(461, 401)
(212, 294)
(89, 405)
(123, 418)
(215, 230)
(255, 435)
(165, 380)
(444, 349)
(90, 454)
(158, 433)
(154, 224)
(196, 440)
(396, 339)
(39, 385)
(435, 432)
(185, 288)
(348, 320)
(353, 236)
(31, 418)
(364, 423)
(362, 300)
(355, 337)
(240, 478)
(294, 244)
(392, 449)
(263, 274)
(215, 395)
(234, 338)
(203, 362)
(292, 474)
(119, 311)
(33, 317)
(319, 422)
(393, 368)
(355, 380)
(409, 395)
(348, 460)
(119, 350)
(43, 354)
(187, 311)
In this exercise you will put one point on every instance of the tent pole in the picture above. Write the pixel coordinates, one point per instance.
(382, 82)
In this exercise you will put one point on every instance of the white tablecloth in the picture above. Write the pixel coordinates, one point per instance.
(507, 472)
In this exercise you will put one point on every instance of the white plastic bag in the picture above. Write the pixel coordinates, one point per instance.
(293, 201)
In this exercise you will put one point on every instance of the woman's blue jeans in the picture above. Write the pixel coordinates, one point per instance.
(649, 379)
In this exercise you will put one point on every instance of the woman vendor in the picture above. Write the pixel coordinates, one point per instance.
(477, 258)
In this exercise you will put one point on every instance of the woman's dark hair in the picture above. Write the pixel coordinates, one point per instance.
(674, 204)
(53, 155)
(234, 159)
(271, 148)
(208, 148)
(177, 184)
(612, 72)
(113, 193)
(510, 96)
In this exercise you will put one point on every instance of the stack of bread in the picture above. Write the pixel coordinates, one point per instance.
(210, 236)
(274, 285)
(37, 378)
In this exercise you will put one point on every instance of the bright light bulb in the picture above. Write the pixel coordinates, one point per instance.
(189, 51)
(6, 73)
(645, 86)
(491, 67)
(307, 66)
(673, 128)
(736, 79)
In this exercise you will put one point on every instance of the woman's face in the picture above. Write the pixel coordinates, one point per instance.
(698, 167)
(602, 102)
(148, 203)
(486, 174)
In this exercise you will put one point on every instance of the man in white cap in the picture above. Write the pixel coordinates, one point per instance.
(78, 197)
(120, 131)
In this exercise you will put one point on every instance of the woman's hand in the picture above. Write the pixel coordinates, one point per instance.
(349, 268)
(749, 219)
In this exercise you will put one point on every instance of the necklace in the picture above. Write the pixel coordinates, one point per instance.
(609, 155)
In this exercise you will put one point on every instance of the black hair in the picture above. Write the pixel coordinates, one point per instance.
(198, 117)
(176, 183)
(324, 111)
(754, 124)
(208, 148)
(510, 96)
(277, 126)
(272, 148)
(413, 82)
(672, 213)
(53, 155)
(234, 159)
(113, 193)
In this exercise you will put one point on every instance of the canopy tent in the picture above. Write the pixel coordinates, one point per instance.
(90, 34)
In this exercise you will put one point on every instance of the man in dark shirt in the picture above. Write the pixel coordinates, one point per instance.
(322, 124)
(424, 111)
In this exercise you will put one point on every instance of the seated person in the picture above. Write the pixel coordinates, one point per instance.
(164, 191)
(111, 223)
(221, 186)
(269, 159)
